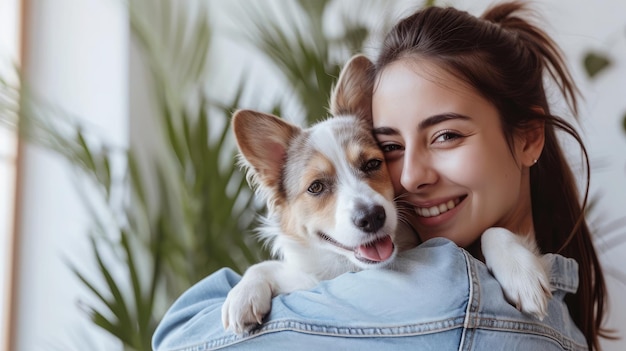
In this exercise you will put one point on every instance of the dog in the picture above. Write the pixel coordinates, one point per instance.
(331, 210)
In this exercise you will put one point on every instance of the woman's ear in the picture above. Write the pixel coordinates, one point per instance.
(532, 139)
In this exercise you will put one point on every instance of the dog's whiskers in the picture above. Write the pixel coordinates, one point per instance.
(404, 208)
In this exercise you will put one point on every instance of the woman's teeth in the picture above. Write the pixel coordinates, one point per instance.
(436, 210)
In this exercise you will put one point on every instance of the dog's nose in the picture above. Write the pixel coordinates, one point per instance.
(369, 218)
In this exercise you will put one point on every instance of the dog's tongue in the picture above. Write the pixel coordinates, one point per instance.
(378, 251)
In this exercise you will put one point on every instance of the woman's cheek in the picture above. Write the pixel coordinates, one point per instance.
(395, 172)
(462, 167)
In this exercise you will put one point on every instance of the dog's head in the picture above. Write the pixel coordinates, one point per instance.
(327, 186)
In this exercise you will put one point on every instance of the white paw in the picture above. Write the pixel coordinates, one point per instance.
(246, 305)
(515, 263)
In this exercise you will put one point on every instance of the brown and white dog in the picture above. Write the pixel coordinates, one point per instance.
(331, 207)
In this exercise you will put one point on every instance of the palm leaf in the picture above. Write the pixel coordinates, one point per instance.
(301, 51)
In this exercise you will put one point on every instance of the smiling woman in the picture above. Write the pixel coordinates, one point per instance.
(437, 130)
(440, 63)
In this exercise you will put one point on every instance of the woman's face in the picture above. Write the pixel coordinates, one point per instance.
(447, 155)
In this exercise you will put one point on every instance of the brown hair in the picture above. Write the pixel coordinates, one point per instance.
(504, 57)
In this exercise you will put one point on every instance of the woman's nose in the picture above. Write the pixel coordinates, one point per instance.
(417, 172)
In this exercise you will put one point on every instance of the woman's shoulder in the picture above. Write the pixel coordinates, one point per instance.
(437, 294)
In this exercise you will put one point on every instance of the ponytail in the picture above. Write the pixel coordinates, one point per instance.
(544, 49)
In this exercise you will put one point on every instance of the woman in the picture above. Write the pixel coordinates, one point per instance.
(480, 93)
(460, 111)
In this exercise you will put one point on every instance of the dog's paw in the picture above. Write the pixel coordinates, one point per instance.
(246, 305)
(525, 285)
(518, 268)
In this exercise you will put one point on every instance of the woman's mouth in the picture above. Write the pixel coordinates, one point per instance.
(437, 209)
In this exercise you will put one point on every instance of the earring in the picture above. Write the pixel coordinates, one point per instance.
(534, 161)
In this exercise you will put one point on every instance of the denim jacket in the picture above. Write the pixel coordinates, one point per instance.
(443, 300)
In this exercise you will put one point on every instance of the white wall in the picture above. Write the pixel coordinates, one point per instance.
(76, 58)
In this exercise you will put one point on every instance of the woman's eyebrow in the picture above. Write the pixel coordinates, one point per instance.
(385, 131)
(432, 120)
(428, 122)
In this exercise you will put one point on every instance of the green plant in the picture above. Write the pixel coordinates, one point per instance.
(301, 51)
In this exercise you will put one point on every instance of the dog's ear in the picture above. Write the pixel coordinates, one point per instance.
(352, 93)
(262, 140)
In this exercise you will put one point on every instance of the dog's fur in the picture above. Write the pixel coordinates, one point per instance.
(331, 207)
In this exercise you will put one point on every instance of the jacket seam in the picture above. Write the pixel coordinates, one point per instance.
(473, 304)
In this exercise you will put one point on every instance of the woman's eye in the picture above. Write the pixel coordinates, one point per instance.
(446, 136)
(390, 147)
(371, 165)
(316, 187)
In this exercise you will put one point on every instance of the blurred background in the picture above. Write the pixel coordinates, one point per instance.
(121, 191)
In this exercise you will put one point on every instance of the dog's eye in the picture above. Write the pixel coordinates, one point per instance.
(316, 187)
(371, 165)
